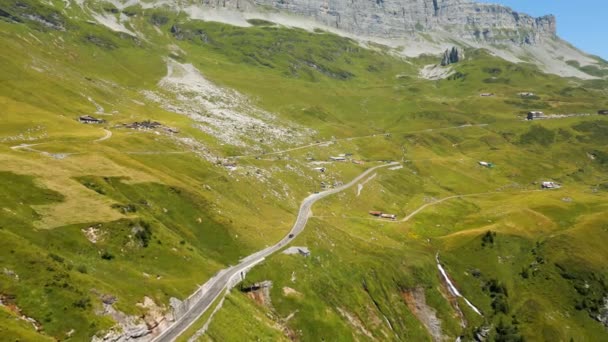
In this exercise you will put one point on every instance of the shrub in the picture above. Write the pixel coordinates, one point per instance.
(107, 255)
(500, 304)
(56, 257)
(95, 187)
(457, 76)
(159, 19)
(538, 134)
(495, 288)
(493, 71)
(125, 208)
(507, 333)
(488, 238)
(82, 303)
(143, 233)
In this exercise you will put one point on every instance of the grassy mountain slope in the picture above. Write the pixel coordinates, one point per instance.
(145, 213)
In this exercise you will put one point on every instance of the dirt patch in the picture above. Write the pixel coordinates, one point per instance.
(454, 303)
(224, 113)
(289, 292)
(260, 292)
(373, 318)
(126, 328)
(154, 313)
(8, 301)
(435, 72)
(12, 274)
(93, 233)
(602, 317)
(416, 302)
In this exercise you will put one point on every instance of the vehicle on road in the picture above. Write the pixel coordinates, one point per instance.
(290, 236)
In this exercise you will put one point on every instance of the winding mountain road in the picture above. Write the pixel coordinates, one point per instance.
(216, 285)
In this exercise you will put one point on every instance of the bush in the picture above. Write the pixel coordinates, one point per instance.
(143, 233)
(125, 208)
(488, 238)
(507, 333)
(56, 257)
(82, 269)
(457, 76)
(495, 288)
(83, 303)
(95, 187)
(500, 304)
(159, 19)
(493, 71)
(538, 134)
(595, 131)
(107, 255)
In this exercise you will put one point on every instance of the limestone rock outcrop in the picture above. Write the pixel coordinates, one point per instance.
(451, 56)
(398, 18)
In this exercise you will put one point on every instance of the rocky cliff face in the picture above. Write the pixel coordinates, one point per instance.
(399, 18)
(410, 27)
(452, 56)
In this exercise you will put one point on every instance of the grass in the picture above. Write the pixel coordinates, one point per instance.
(167, 222)
(202, 321)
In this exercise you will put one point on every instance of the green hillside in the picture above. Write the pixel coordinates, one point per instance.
(94, 218)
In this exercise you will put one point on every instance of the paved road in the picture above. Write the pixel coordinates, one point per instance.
(219, 283)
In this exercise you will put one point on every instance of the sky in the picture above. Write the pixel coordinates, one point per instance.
(582, 23)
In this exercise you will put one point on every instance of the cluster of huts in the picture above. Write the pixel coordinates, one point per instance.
(140, 125)
(343, 157)
(147, 125)
(87, 119)
(536, 115)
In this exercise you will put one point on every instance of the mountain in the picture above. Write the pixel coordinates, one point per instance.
(395, 19)
(411, 28)
(417, 27)
(154, 153)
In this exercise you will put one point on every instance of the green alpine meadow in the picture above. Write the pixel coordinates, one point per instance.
(261, 170)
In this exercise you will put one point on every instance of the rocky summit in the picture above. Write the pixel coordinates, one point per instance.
(398, 18)
(414, 27)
